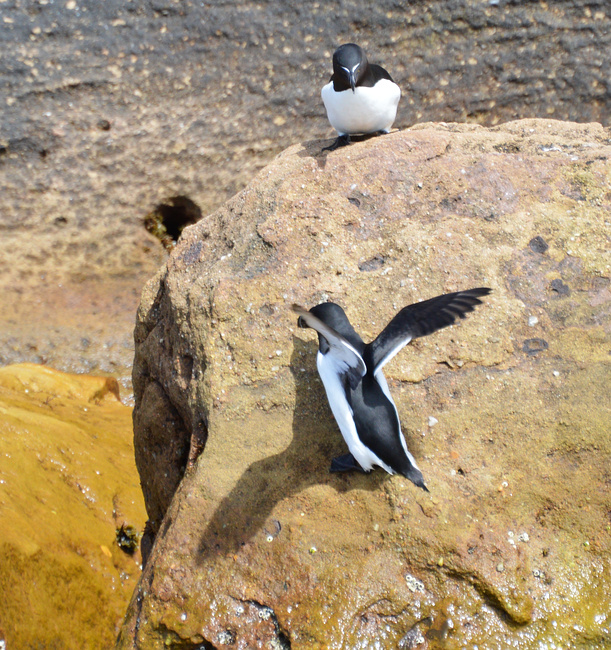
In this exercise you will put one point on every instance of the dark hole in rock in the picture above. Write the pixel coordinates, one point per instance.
(354, 201)
(533, 346)
(127, 539)
(372, 264)
(104, 125)
(538, 244)
(559, 287)
(169, 219)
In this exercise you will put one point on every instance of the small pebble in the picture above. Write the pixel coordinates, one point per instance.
(500, 567)
(532, 321)
(432, 421)
(523, 537)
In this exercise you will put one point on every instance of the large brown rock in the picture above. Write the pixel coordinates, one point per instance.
(257, 545)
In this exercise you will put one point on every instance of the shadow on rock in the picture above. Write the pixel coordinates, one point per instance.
(305, 462)
(317, 149)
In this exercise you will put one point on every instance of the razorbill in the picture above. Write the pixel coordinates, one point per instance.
(360, 97)
(358, 394)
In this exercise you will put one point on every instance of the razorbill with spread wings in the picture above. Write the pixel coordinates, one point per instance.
(358, 394)
(361, 97)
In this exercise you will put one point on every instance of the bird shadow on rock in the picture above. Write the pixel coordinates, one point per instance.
(317, 148)
(305, 462)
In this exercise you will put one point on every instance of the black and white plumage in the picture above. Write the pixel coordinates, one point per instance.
(358, 394)
(361, 97)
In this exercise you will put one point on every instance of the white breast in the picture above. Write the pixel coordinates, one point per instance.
(328, 371)
(366, 110)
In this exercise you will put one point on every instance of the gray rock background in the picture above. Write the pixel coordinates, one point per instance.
(112, 108)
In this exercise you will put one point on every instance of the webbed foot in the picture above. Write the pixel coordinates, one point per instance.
(345, 463)
(341, 141)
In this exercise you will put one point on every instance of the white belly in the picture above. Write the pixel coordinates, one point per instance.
(366, 110)
(327, 369)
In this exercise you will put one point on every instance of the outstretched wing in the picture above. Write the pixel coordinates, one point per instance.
(420, 319)
(347, 360)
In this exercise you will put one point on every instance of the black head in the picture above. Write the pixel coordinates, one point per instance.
(334, 316)
(330, 314)
(349, 64)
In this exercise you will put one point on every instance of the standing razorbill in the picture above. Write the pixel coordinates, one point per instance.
(358, 394)
(361, 97)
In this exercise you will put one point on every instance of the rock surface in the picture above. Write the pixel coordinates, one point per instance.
(110, 109)
(507, 413)
(67, 482)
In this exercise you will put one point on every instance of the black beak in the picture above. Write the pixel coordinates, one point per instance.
(352, 80)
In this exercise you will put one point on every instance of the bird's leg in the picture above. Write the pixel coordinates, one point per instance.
(341, 141)
(345, 463)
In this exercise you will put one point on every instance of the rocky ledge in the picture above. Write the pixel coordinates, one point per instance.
(251, 542)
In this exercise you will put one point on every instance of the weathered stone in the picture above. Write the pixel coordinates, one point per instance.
(67, 484)
(260, 546)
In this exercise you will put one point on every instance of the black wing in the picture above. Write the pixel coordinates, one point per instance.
(379, 72)
(420, 319)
